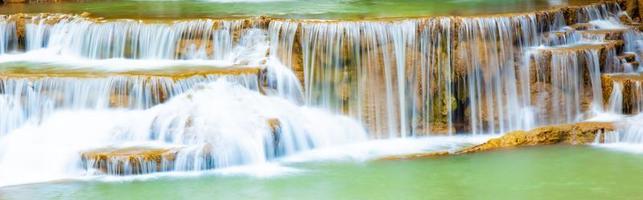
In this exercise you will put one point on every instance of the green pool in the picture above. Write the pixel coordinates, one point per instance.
(557, 172)
(320, 9)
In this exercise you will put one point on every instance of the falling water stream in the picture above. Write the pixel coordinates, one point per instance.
(222, 93)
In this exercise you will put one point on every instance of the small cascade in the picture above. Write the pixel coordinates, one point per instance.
(497, 88)
(80, 37)
(567, 79)
(596, 12)
(625, 92)
(33, 99)
(628, 137)
(8, 38)
(616, 99)
(213, 125)
(632, 130)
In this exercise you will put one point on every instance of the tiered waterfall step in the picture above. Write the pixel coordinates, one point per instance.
(130, 160)
(581, 54)
(629, 58)
(623, 92)
(605, 34)
(127, 89)
(144, 159)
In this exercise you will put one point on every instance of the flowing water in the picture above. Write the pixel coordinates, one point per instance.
(208, 96)
(323, 9)
(519, 174)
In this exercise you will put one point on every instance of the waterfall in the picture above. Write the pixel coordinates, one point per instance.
(193, 39)
(7, 36)
(212, 125)
(485, 48)
(632, 130)
(408, 77)
(616, 99)
(32, 100)
(628, 136)
(626, 95)
(95, 86)
(341, 61)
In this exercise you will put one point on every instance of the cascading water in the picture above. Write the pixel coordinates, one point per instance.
(34, 99)
(628, 137)
(399, 78)
(129, 39)
(7, 36)
(221, 120)
(616, 99)
(563, 77)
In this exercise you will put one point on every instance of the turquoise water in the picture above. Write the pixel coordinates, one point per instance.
(322, 9)
(557, 172)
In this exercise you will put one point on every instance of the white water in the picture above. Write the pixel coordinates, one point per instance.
(7, 36)
(626, 96)
(227, 117)
(628, 137)
(26, 100)
(399, 79)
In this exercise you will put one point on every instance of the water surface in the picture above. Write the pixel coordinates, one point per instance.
(320, 9)
(557, 172)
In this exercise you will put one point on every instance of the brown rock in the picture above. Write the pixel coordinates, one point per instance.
(631, 90)
(132, 160)
(579, 133)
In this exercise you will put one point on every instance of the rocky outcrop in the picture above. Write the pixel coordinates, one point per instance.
(579, 133)
(568, 134)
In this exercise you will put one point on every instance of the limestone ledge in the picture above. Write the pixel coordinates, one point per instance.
(568, 134)
(143, 160)
(131, 160)
(175, 74)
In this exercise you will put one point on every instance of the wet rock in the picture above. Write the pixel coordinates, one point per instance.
(568, 134)
(579, 133)
(632, 7)
(131, 160)
(628, 57)
(631, 88)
